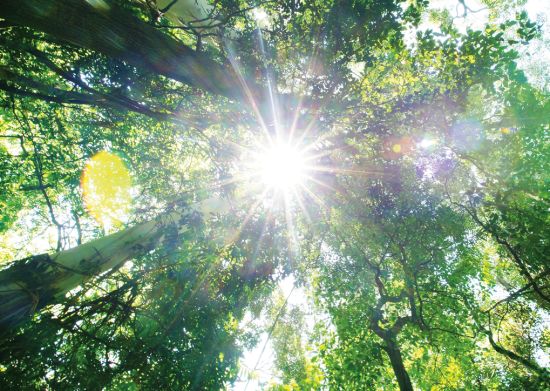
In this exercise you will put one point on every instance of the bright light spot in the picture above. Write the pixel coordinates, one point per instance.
(106, 185)
(427, 143)
(396, 148)
(357, 69)
(261, 17)
(507, 130)
(282, 167)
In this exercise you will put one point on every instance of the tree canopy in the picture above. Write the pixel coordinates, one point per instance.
(167, 166)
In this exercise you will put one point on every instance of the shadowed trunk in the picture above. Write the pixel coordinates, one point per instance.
(396, 360)
(114, 32)
(30, 284)
(389, 335)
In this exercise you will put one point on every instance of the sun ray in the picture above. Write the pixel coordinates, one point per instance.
(262, 235)
(298, 198)
(315, 198)
(310, 125)
(321, 183)
(325, 151)
(336, 170)
(248, 93)
(297, 111)
(272, 97)
(249, 214)
(291, 233)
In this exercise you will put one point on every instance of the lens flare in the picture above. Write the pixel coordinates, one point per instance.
(106, 185)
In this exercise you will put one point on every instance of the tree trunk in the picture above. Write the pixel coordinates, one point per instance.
(396, 360)
(30, 284)
(114, 32)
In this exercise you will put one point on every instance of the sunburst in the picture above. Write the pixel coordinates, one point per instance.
(282, 166)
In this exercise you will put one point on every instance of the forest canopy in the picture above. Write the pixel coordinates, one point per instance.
(357, 189)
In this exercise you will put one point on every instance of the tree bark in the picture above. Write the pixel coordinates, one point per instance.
(396, 359)
(389, 336)
(29, 285)
(114, 32)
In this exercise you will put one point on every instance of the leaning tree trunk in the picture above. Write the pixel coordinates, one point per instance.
(113, 31)
(32, 283)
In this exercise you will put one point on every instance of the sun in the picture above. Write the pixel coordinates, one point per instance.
(282, 166)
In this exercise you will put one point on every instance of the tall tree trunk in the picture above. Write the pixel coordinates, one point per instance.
(396, 360)
(108, 29)
(32, 283)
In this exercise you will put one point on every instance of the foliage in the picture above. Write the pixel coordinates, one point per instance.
(422, 235)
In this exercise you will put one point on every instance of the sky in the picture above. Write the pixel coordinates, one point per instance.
(263, 361)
